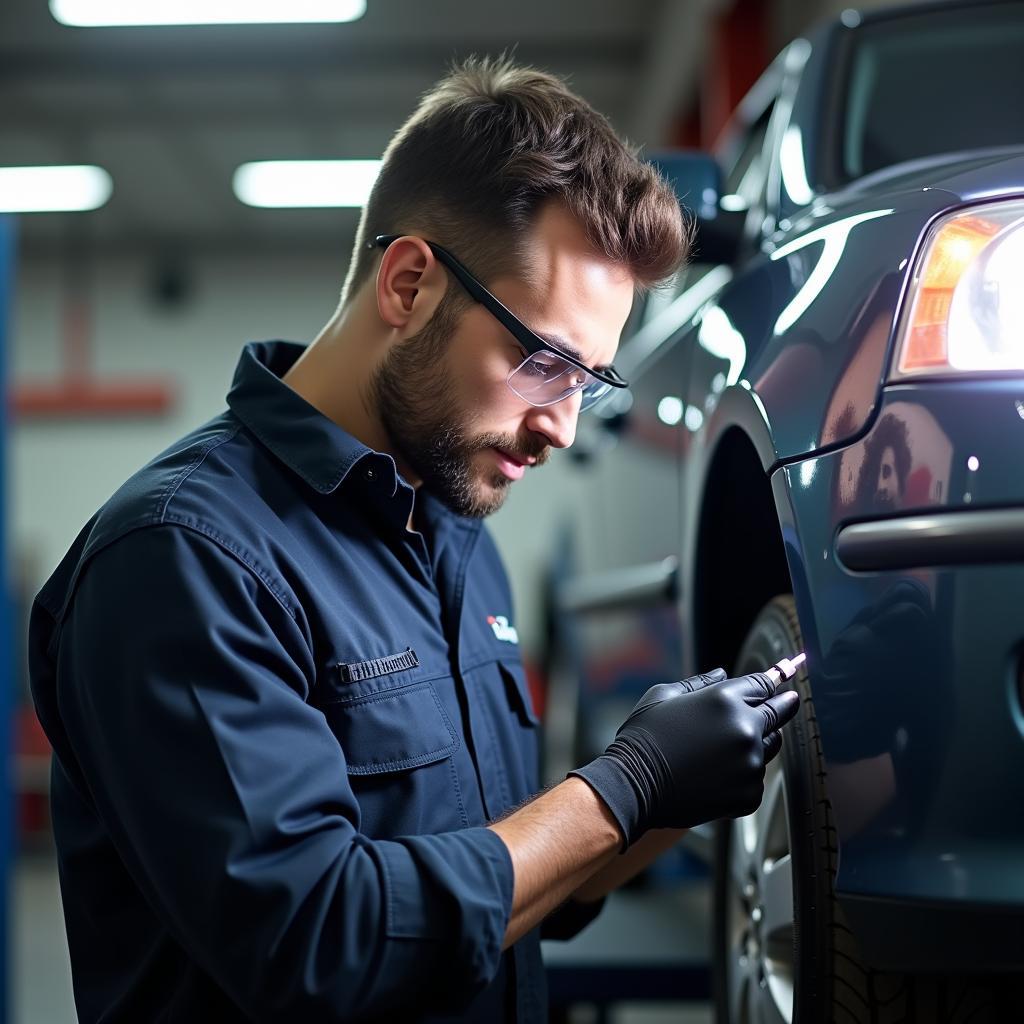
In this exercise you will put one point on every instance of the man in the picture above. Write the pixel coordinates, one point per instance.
(288, 722)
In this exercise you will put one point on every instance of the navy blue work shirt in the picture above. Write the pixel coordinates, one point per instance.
(280, 723)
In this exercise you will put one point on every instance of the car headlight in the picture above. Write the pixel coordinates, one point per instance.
(966, 298)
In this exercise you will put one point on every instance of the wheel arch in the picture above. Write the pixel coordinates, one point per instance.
(740, 559)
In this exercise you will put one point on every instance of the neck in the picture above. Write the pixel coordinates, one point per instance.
(336, 372)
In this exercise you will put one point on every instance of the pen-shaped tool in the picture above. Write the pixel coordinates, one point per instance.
(785, 668)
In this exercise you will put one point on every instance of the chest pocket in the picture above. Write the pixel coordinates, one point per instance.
(393, 730)
(398, 744)
(505, 734)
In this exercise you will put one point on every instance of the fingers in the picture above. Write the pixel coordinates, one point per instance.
(698, 682)
(778, 710)
(666, 691)
(755, 687)
(772, 745)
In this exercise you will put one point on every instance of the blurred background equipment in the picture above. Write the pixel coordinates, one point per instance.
(10, 641)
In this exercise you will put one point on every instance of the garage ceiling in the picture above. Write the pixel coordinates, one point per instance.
(171, 112)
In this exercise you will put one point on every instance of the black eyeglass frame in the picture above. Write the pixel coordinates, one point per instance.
(531, 341)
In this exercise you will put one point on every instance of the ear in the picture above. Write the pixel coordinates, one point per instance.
(410, 284)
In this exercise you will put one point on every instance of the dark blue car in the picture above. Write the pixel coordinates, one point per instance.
(824, 450)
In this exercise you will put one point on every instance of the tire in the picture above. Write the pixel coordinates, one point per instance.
(781, 950)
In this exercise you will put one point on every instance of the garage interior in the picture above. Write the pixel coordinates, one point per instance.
(121, 326)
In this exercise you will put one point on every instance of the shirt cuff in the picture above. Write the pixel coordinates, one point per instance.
(453, 893)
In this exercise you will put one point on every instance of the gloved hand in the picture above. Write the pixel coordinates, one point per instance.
(691, 751)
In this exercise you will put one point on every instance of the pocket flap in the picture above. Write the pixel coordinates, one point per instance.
(393, 730)
(519, 691)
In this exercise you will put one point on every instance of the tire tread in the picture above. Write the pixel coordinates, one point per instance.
(855, 993)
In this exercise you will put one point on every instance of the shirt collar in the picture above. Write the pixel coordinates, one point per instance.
(305, 440)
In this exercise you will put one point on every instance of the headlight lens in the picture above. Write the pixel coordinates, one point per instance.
(966, 299)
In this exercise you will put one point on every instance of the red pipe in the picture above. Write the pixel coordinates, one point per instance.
(76, 393)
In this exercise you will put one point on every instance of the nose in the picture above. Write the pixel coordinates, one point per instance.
(556, 422)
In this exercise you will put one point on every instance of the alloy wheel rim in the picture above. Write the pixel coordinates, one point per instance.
(760, 956)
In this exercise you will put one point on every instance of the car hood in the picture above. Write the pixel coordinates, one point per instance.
(983, 174)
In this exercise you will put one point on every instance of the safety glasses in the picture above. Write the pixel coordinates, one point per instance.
(547, 375)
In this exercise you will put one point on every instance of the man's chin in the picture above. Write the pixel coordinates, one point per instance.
(484, 498)
(491, 493)
(479, 492)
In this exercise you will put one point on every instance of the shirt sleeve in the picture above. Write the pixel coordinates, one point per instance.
(183, 684)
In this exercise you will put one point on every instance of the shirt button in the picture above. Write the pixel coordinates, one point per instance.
(370, 474)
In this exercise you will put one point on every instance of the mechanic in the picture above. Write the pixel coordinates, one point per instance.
(279, 667)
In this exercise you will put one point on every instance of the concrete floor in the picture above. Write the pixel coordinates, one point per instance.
(40, 971)
(41, 975)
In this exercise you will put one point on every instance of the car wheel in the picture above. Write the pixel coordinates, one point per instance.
(782, 952)
(755, 942)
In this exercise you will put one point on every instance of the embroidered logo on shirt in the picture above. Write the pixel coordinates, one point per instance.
(502, 630)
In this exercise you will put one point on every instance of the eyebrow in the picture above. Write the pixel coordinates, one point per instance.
(559, 344)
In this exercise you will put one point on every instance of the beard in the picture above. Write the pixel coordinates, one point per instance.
(414, 395)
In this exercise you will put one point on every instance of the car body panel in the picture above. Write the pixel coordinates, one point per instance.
(915, 673)
(816, 314)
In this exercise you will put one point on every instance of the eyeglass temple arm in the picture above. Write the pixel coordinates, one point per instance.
(504, 315)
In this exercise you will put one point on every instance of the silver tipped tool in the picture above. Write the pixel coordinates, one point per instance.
(785, 668)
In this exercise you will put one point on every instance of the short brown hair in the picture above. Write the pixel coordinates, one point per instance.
(492, 142)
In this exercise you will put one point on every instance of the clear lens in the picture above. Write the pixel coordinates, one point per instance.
(966, 311)
(986, 316)
(593, 393)
(544, 378)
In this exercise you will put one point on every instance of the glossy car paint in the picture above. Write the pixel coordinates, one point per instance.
(916, 674)
(917, 677)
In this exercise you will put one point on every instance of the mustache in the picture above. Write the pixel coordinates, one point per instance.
(522, 448)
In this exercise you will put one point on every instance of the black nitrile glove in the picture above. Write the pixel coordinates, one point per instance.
(692, 751)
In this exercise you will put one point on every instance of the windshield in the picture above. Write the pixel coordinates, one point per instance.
(924, 85)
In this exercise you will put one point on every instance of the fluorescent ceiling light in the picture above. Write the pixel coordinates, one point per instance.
(297, 183)
(100, 13)
(53, 189)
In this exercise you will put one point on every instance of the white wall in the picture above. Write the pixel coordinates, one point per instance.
(62, 471)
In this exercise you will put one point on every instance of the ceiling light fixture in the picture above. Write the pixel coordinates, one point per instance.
(105, 13)
(306, 183)
(53, 189)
